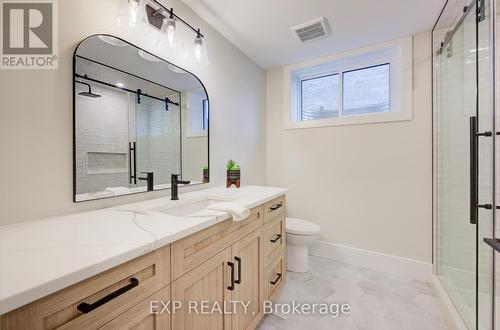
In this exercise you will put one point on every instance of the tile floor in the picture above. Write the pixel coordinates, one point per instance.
(377, 300)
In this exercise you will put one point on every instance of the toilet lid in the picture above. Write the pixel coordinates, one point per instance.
(301, 227)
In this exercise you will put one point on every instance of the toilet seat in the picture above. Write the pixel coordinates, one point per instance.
(301, 227)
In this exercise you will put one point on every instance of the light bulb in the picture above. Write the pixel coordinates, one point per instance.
(198, 43)
(133, 8)
(170, 29)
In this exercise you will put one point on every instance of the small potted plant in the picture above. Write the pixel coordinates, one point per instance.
(205, 174)
(233, 174)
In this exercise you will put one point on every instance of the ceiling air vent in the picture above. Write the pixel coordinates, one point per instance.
(312, 30)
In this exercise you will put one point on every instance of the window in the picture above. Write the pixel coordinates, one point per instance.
(204, 116)
(363, 86)
(197, 112)
(319, 97)
(366, 90)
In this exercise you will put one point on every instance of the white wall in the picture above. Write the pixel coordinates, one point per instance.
(367, 186)
(36, 115)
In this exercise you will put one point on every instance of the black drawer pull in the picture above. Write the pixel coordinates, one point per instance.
(87, 308)
(238, 259)
(277, 206)
(278, 278)
(278, 237)
(231, 287)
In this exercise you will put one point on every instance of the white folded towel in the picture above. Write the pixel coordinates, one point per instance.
(118, 190)
(238, 211)
(207, 213)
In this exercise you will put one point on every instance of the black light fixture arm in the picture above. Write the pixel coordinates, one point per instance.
(171, 14)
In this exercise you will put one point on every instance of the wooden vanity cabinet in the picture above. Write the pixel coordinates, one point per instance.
(234, 274)
(136, 280)
(248, 257)
(208, 282)
(226, 263)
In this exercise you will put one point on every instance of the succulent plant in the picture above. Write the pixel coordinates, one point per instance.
(232, 166)
(205, 168)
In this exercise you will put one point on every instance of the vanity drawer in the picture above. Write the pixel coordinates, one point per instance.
(191, 251)
(274, 207)
(274, 236)
(107, 295)
(140, 316)
(274, 277)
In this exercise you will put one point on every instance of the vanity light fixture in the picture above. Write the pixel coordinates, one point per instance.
(165, 20)
(198, 44)
(133, 9)
(169, 28)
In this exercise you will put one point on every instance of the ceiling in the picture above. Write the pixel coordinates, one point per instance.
(261, 28)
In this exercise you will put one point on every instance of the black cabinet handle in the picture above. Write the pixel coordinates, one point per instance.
(231, 287)
(278, 237)
(278, 278)
(238, 259)
(277, 206)
(87, 308)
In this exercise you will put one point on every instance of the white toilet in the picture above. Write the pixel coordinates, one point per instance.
(299, 235)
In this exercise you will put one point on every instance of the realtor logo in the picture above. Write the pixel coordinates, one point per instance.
(29, 34)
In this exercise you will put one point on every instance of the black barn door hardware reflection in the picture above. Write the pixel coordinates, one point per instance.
(138, 92)
(474, 175)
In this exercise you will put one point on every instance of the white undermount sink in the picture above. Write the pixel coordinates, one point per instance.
(190, 207)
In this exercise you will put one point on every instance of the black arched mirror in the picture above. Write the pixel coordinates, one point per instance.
(137, 120)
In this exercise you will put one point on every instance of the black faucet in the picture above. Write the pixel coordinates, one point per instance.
(174, 182)
(149, 179)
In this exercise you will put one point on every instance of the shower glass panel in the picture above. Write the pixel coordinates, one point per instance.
(486, 120)
(158, 140)
(462, 83)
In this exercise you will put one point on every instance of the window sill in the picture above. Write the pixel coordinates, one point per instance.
(350, 120)
(196, 134)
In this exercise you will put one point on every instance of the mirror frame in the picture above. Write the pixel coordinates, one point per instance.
(74, 118)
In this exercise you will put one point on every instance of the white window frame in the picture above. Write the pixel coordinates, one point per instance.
(397, 53)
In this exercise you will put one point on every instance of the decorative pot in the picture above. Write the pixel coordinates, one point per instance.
(205, 176)
(233, 177)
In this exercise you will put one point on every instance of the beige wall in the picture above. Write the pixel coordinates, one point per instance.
(368, 186)
(36, 115)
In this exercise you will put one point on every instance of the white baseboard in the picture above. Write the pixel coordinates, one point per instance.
(454, 319)
(404, 267)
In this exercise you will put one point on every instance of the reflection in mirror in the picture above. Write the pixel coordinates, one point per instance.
(138, 119)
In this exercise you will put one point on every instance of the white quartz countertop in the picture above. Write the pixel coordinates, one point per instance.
(40, 257)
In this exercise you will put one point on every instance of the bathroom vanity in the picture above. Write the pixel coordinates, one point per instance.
(118, 268)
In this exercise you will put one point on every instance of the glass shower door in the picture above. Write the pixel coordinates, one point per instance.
(455, 103)
(463, 169)
(158, 137)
